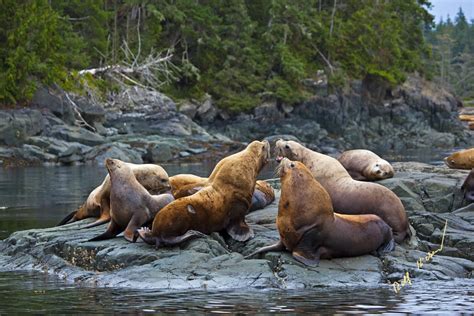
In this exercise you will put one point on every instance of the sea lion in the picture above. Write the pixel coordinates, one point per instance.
(187, 184)
(131, 206)
(364, 165)
(349, 196)
(463, 159)
(221, 205)
(263, 195)
(310, 229)
(468, 187)
(153, 177)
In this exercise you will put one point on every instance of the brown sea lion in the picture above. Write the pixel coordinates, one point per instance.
(131, 206)
(221, 205)
(349, 196)
(364, 165)
(153, 177)
(310, 229)
(463, 159)
(187, 184)
(468, 187)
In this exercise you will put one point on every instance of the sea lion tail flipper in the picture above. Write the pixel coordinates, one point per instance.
(112, 231)
(145, 234)
(275, 247)
(306, 257)
(68, 217)
(386, 248)
(240, 231)
(171, 241)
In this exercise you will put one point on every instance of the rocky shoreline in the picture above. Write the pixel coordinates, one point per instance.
(144, 126)
(430, 194)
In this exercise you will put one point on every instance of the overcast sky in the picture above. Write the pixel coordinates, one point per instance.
(441, 8)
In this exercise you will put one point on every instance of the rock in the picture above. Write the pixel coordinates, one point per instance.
(55, 101)
(158, 152)
(184, 154)
(206, 112)
(268, 112)
(189, 109)
(197, 151)
(76, 134)
(33, 153)
(17, 125)
(115, 150)
(92, 113)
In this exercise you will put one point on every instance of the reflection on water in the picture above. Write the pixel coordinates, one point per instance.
(34, 292)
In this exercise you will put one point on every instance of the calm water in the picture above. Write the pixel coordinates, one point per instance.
(40, 196)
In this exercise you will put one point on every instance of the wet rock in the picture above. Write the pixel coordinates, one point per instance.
(189, 109)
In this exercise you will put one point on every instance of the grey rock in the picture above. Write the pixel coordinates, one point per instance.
(159, 152)
(33, 153)
(114, 150)
(184, 154)
(55, 101)
(17, 125)
(76, 134)
(206, 112)
(197, 151)
(189, 109)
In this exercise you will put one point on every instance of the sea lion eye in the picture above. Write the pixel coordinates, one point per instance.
(287, 146)
(292, 165)
(163, 180)
(377, 165)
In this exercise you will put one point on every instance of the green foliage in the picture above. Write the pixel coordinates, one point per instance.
(242, 52)
(453, 54)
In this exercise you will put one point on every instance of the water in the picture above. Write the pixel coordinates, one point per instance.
(38, 293)
(36, 197)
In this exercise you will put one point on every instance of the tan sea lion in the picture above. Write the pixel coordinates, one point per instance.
(463, 159)
(310, 229)
(364, 165)
(187, 184)
(131, 206)
(221, 205)
(349, 196)
(468, 187)
(153, 177)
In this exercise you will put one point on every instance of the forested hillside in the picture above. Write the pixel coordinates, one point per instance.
(240, 52)
(453, 54)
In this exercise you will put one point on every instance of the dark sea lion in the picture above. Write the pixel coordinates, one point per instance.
(187, 184)
(221, 205)
(131, 206)
(310, 229)
(364, 165)
(153, 177)
(349, 196)
(463, 159)
(468, 187)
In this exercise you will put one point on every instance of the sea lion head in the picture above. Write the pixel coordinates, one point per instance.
(381, 170)
(155, 179)
(289, 149)
(261, 149)
(459, 160)
(113, 164)
(294, 170)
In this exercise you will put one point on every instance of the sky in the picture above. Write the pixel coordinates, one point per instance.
(441, 8)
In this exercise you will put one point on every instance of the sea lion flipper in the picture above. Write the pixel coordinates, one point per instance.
(386, 248)
(309, 258)
(171, 241)
(279, 246)
(240, 231)
(112, 231)
(131, 232)
(66, 219)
